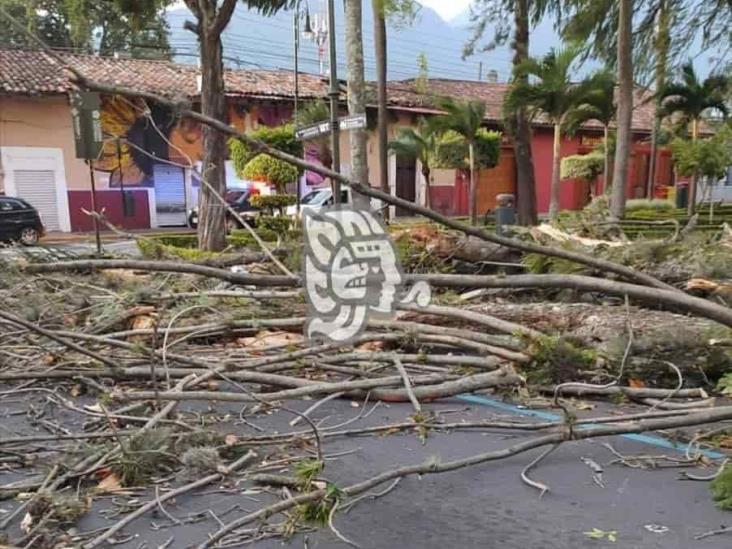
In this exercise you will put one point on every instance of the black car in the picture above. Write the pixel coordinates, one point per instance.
(19, 221)
(239, 202)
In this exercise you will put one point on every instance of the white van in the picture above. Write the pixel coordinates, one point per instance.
(317, 199)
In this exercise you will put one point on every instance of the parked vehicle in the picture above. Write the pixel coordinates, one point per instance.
(239, 201)
(318, 199)
(721, 191)
(19, 221)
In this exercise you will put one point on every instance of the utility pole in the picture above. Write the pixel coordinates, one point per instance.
(296, 104)
(334, 94)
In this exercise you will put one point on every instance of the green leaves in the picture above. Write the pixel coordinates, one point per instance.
(705, 157)
(451, 150)
(549, 90)
(582, 166)
(596, 533)
(281, 138)
(264, 167)
(724, 385)
(691, 98)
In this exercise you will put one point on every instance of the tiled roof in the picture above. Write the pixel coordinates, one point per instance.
(24, 72)
(404, 93)
(33, 72)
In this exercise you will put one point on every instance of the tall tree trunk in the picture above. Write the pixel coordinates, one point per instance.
(661, 44)
(606, 161)
(381, 75)
(525, 184)
(691, 207)
(472, 206)
(356, 94)
(556, 159)
(625, 108)
(212, 19)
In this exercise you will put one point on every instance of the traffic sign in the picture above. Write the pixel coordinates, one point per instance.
(321, 128)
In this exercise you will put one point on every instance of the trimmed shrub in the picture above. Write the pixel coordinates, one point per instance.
(266, 168)
(272, 202)
(280, 137)
(582, 166)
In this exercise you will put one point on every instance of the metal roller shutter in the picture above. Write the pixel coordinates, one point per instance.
(170, 198)
(38, 188)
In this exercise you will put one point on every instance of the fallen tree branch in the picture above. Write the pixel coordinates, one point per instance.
(503, 376)
(434, 466)
(360, 187)
(54, 337)
(214, 477)
(658, 296)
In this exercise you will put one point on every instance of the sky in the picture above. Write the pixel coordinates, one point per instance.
(446, 8)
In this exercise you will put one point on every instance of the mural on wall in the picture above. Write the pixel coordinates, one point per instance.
(133, 144)
(131, 158)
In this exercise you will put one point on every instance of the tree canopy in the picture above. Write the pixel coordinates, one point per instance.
(93, 26)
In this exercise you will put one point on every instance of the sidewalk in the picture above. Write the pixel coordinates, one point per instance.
(109, 236)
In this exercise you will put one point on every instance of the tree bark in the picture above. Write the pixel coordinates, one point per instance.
(691, 207)
(381, 75)
(212, 19)
(661, 44)
(525, 184)
(606, 166)
(625, 108)
(356, 94)
(472, 205)
(556, 159)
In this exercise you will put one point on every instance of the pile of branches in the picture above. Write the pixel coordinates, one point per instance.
(136, 349)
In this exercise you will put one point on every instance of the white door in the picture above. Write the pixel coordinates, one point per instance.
(37, 175)
(170, 195)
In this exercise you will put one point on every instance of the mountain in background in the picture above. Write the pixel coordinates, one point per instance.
(253, 41)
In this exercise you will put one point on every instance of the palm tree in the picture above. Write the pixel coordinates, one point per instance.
(598, 104)
(692, 99)
(420, 144)
(465, 118)
(553, 94)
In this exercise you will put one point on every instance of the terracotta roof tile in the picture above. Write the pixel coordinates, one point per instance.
(403, 93)
(32, 72)
(35, 72)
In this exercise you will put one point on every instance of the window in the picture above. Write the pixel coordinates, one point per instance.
(314, 197)
(7, 205)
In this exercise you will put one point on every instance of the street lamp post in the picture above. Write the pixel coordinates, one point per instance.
(319, 34)
(295, 110)
(334, 94)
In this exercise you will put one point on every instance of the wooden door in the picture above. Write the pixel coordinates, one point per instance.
(406, 172)
(497, 180)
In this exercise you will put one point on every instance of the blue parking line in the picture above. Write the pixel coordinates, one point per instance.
(548, 416)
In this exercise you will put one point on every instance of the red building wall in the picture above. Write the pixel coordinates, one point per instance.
(109, 201)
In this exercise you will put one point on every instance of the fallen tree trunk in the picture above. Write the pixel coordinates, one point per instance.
(659, 296)
(675, 299)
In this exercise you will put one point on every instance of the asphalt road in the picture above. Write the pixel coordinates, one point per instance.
(482, 507)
